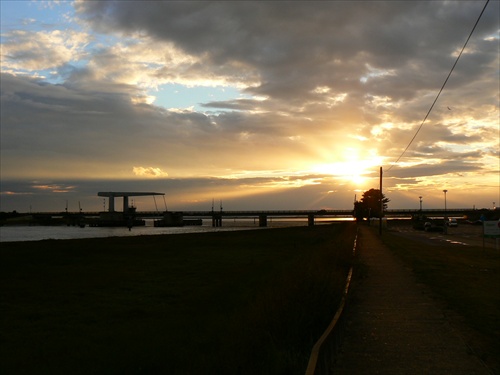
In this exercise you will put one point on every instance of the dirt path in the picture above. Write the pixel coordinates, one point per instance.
(395, 327)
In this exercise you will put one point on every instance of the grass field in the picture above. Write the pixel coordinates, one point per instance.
(247, 302)
(467, 279)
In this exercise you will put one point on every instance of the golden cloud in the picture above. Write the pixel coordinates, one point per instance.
(149, 172)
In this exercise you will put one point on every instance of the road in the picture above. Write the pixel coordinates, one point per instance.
(395, 325)
(463, 235)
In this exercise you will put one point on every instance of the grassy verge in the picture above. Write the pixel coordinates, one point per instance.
(249, 302)
(466, 278)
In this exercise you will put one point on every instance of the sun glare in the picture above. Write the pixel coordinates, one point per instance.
(349, 171)
(352, 170)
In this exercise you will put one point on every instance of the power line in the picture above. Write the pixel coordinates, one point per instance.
(441, 90)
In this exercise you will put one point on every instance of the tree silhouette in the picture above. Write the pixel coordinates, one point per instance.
(369, 206)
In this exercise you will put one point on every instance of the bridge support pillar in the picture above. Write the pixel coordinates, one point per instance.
(125, 204)
(310, 220)
(262, 220)
(216, 220)
(111, 203)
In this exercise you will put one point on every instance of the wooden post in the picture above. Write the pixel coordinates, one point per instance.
(263, 220)
(310, 220)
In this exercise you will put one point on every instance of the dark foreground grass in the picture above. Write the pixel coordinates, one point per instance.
(247, 302)
(467, 279)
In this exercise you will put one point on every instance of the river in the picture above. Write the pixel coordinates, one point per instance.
(37, 233)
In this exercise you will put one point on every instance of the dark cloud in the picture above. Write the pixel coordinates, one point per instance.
(298, 45)
(95, 130)
(79, 123)
(427, 170)
(238, 104)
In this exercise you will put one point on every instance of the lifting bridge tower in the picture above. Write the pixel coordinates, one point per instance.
(112, 194)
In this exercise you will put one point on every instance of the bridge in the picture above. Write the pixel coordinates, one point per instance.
(175, 218)
(131, 217)
(263, 215)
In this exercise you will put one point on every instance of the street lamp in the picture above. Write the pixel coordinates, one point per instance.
(420, 202)
(445, 215)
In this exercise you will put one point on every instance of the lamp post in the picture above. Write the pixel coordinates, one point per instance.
(420, 203)
(445, 215)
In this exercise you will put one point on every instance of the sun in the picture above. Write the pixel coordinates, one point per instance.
(351, 169)
(354, 172)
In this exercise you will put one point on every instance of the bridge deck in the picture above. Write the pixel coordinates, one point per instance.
(278, 213)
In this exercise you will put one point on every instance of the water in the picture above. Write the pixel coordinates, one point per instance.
(37, 233)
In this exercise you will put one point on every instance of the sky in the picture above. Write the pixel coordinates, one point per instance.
(258, 105)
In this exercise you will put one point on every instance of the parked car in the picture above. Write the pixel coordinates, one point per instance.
(431, 226)
(418, 222)
(452, 222)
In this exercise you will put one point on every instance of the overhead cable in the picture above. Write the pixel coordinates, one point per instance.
(442, 87)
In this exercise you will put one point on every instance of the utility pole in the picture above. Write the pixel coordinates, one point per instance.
(381, 205)
(445, 214)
